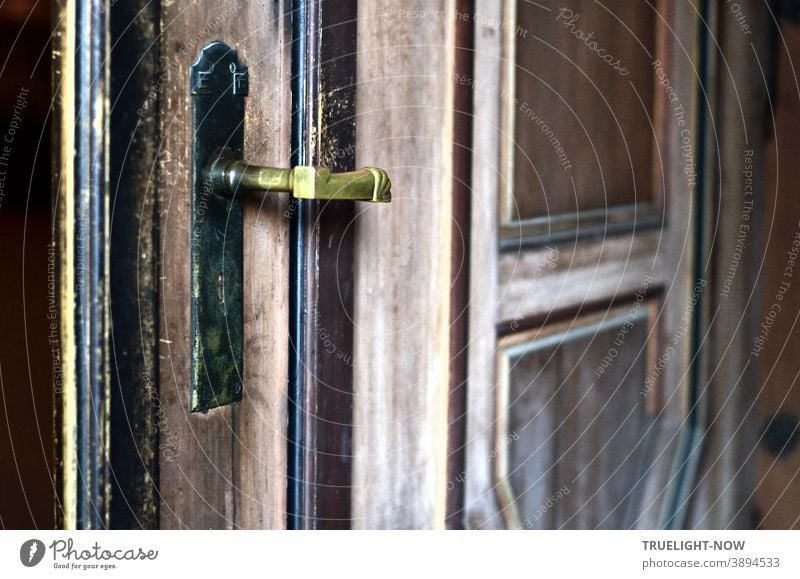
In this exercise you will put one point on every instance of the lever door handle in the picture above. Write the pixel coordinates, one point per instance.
(231, 175)
(219, 83)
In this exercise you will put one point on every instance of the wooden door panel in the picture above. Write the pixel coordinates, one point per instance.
(583, 101)
(543, 155)
(582, 135)
(722, 494)
(527, 441)
(580, 408)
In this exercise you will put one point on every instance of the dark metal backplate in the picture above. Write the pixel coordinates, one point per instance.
(218, 84)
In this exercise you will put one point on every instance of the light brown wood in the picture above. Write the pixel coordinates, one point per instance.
(577, 119)
(481, 505)
(402, 308)
(574, 420)
(539, 281)
(677, 43)
(260, 420)
(227, 468)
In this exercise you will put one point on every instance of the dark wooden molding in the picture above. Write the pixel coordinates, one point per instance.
(459, 302)
(134, 138)
(321, 348)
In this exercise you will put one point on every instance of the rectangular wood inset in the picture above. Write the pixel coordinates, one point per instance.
(574, 427)
(579, 112)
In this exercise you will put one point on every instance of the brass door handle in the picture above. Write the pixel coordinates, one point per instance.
(219, 83)
(230, 175)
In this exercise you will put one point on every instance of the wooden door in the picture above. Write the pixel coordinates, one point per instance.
(584, 291)
(517, 341)
(295, 451)
(525, 355)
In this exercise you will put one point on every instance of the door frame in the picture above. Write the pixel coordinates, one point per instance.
(106, 232)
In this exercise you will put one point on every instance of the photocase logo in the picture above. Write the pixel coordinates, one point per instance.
(31, 552)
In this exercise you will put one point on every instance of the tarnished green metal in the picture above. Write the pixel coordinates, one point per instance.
(218, 84)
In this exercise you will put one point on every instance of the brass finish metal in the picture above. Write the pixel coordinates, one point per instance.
(219, 83)
(232, 176)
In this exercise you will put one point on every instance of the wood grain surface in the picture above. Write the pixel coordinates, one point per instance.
(523, 288)
(403, 266)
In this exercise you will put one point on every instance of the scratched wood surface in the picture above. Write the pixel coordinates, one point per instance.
(227, 468)
(403, 258)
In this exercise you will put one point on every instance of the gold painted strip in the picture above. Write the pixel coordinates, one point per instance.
(64, 95)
